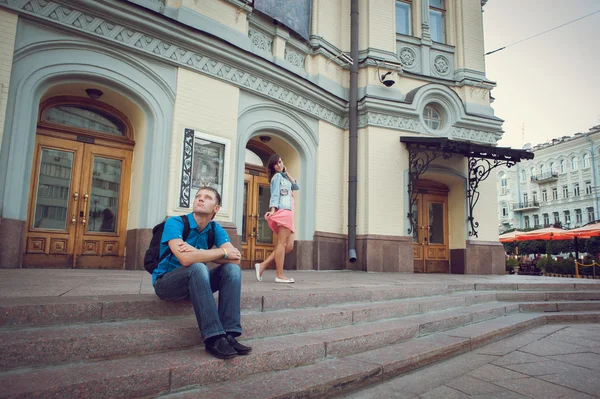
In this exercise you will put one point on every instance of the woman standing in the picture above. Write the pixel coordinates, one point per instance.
(280, 217)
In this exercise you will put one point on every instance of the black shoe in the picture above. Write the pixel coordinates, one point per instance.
(221, 349)
(239, 348)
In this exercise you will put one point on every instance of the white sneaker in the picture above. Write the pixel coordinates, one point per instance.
(283, 280)
(257, 270)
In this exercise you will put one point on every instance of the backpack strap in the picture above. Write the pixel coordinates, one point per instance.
(186, 227)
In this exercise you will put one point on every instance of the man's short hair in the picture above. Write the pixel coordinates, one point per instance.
(217, 195)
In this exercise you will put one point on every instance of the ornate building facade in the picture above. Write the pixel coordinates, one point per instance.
(559, 186)
(113, 113)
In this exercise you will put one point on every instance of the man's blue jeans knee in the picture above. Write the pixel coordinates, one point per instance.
(198, 282)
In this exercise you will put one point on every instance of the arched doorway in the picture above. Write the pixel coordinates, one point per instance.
(430, 239)
(258, 241)
(78, 202)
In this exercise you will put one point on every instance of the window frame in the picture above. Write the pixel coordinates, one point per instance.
(410, 17)
(442, 11)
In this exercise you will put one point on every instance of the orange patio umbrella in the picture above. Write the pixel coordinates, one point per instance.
(509, 237)
(590, 230)
(548, 233)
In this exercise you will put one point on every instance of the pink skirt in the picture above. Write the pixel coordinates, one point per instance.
(281, 218)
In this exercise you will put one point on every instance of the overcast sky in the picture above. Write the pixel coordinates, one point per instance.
(550, 83)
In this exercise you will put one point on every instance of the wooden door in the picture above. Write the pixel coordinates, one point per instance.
(102, 218)
(77, 213)
(430, 238)
(54, 203)
(258, 241)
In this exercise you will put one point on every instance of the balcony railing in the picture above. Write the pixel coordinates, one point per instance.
(543, 177)
(525, 205)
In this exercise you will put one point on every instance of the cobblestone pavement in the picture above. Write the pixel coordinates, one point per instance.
(552, 361)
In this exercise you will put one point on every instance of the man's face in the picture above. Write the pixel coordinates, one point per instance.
(205, 203)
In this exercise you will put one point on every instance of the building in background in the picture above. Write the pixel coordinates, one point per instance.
(113, 113)
(560, 185)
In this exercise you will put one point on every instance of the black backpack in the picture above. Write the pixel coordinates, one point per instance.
(152, 257)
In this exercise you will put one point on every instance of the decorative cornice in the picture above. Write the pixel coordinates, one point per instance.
(388, 121)
(100, 27)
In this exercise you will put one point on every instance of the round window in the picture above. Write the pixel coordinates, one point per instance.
(432, 115)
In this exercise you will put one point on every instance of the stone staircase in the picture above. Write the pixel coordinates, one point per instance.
(305, 344)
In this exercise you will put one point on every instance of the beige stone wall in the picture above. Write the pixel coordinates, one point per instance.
(331, 189)
(221, 11)
(215, 114)
(486, 212)
(8, 29)
(469, 40)
(381, 27)
(328, 20)
(381, 182)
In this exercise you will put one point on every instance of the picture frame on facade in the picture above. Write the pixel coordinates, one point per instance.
(205, 163)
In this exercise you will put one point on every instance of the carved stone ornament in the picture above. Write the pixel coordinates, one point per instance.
(407, 57)
(260, 41)
(294, 58)
(154, 45)
(441, 64)
(473, 135)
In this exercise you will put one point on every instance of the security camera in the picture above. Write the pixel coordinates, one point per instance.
(387, 82)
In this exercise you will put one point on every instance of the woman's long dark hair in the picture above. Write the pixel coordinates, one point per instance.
(271, 165)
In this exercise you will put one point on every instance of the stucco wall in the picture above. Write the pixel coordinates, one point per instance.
(381, 180)
(208, 106)
(221, 11)
(8, 28)
(485, 211)
(331, 164)
(469, 28)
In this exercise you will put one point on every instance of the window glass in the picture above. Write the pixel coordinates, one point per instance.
(574, 163)
(586, 161)
(436, 23)
(85, 118)
(523, 176)
(552, 167)
(563, 166)
(403, 18)
(432, 117)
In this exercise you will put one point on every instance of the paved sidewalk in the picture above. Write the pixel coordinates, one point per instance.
(552, 361)
(15, 283)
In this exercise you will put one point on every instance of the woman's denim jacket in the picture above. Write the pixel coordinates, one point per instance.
(281, 191)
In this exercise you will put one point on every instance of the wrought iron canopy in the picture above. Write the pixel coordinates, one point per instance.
(481, 160)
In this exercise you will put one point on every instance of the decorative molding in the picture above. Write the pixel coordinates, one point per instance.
(260, 41)
(473, 135)
(388, 121)
(295, 58)
(441, 65)
(408, 57)
(186, 169)
(173, 53)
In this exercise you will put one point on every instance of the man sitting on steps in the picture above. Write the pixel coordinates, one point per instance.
(186, 275)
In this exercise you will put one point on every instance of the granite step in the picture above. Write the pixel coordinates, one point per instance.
(332, 377)
(151, 374)
(550, 295)
(55, 345)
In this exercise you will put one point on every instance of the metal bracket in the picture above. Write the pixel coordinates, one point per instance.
(418, 161)
(479, 170)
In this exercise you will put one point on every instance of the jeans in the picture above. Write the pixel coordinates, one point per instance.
(199, 283)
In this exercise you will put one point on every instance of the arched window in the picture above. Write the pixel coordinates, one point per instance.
(503, 185)
(85, 117)
(542, 169)
(563, 166)
(523, 175)
(432, 115)
(586, 160)
(552, 167)
(574, 163)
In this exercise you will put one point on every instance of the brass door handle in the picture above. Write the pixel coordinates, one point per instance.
(85, 203)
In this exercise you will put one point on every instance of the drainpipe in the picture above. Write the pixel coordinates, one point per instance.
(587, 136)
(353, 133)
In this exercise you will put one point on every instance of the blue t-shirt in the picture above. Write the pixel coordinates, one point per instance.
(197, 239)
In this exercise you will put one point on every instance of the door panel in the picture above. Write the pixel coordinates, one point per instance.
(258, 241)
(78, 205)
(430, 239)
(105, 194)
(51, 224)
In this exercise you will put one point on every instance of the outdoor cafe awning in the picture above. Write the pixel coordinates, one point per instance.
(552, 233)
